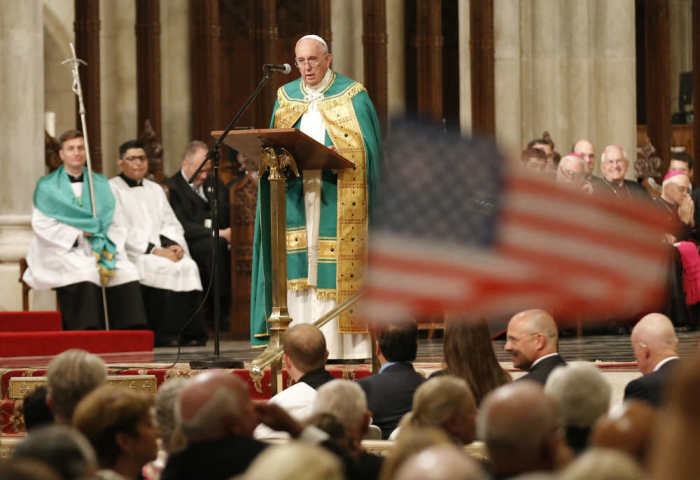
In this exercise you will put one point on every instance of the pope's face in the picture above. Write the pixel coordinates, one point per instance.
(312, 61)
(134, 163)
(614, 165)
(72, 155)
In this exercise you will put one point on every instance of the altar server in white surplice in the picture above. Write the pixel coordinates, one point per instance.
(75, 252)
(169, 278)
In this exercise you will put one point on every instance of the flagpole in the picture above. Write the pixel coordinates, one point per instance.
(78, 90)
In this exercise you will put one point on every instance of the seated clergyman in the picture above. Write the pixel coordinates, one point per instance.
(76, 252)
(156, 244)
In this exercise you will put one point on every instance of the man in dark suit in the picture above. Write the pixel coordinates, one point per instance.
(192, 206)
(390, 392)
(656, 349)
(533, 340)
(614, 164)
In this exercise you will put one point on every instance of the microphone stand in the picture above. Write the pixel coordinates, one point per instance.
(213, 155)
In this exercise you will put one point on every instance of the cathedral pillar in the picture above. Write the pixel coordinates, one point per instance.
(21, 133)
(396, 58)
(565, 67)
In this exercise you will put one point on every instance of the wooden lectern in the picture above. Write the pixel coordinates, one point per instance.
(281, 151)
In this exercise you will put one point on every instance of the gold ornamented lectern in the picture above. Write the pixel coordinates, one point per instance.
(282, 151)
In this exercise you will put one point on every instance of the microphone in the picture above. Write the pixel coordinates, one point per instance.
(284, 68)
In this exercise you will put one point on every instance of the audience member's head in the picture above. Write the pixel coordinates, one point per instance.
(583, 395)
(347, 402)
(444, 402)
(398, 343)
(304, 349)
(628, 428)
(293, 461)
(72, 375)
(195, 152)
(519, 426)
(119, 425)
(410, 442)
(614, 163)
(133, 161)
(533, 159)
(72, 151)
(653, 339)
(681, 161)
(213, 405)
(531, 334)
(65, 450)
(572, 170)
(330, 424)
(469, 355)
(35, 410)
(26, 469)
(585, 148)
(675, 187)
(602, 464)
(547, 146)
(444, 462)
(165, 412)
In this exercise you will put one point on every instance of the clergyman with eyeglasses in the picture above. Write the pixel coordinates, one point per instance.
(328, 209)
(155, 243)
(76, 253)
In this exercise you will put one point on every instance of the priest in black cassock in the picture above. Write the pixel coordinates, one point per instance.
(75, 252)
(169, 278)
(192, 206)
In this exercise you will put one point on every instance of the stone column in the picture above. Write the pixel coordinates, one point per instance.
(566, 67)
(396, 58)
(681, 38)
(21, 133)
(465, 60)
(347, 49)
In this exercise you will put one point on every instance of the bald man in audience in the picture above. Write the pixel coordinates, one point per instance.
(442, 462)
(305, 358)
(655, 347)
(217, 417)
(586, 150)
(614, 164)
(518, 423)
(533, 340)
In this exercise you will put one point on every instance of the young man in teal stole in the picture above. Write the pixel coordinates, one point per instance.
(327, 211)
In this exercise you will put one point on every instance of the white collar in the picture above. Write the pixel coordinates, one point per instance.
(316, 92)
(664, 362)
(542, 358)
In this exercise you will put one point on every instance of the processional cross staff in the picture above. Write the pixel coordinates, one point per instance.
(77, 88)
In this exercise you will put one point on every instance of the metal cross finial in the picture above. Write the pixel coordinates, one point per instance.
(75, 63)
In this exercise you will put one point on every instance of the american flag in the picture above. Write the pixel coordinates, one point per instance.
(458, 229)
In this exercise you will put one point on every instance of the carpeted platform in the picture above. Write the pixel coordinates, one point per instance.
(37, 321)
(30, 344)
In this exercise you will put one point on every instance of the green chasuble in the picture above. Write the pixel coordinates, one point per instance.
(346, 200)
(55, 198)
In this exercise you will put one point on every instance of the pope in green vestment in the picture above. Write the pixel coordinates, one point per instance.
(339, 112)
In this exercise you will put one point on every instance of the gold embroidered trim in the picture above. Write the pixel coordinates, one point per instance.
(297, 284)
(325, 294)
(296, 240)
(327, 251)
(343, 128)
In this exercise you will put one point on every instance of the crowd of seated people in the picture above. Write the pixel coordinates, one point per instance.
(670, 192)
(554, 420)
(151, 252)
